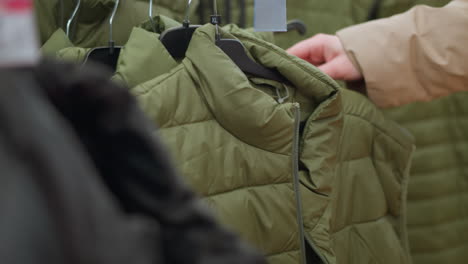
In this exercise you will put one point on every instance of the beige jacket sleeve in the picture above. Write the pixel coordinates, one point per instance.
(419, 55)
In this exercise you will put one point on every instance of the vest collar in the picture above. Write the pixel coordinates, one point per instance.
(247, 112)
(56, 42)
(143, 58)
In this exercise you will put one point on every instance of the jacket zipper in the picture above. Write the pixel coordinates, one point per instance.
(295, 167)
(297, 190)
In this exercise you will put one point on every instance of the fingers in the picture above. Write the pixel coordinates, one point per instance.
(311, 50)
(332, 69)
(327, 52)
(341, 68)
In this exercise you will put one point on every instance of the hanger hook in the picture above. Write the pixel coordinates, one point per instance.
(72, 17)
(186, 21)
(111, 21)
(153, 25)
(215, 9)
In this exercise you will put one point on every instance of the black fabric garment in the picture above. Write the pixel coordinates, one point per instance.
(53, 207)
(108, 191)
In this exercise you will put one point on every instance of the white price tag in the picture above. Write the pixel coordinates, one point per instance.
(18, 36)
(270, 15)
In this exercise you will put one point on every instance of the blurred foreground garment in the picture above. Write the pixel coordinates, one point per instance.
(84, 181)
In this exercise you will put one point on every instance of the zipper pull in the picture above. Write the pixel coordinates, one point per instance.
(282, 99)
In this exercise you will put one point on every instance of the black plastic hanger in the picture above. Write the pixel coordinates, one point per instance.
(72, 17)
(236, 51)
(150, 15)
(109, 55)
(62, 13)
(242, 14)
(297, 25)
(374, 10)
(176, 40)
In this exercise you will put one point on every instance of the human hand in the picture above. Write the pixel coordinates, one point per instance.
(327, 53)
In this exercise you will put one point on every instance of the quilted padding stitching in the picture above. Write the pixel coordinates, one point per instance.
(431, 226)
(445, 143)
(228, 132)
(247, 187)
(350, 226)
(281, 253)
(381, 130)
(187, 124)
(434, 118)
(157, 81)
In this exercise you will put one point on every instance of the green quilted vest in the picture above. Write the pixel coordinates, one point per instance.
(234, 143)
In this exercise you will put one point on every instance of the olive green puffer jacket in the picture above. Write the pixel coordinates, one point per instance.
(235, 144)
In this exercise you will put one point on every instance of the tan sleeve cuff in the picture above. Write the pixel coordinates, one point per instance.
(352, 58)
(415, 56)
(367, 46)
